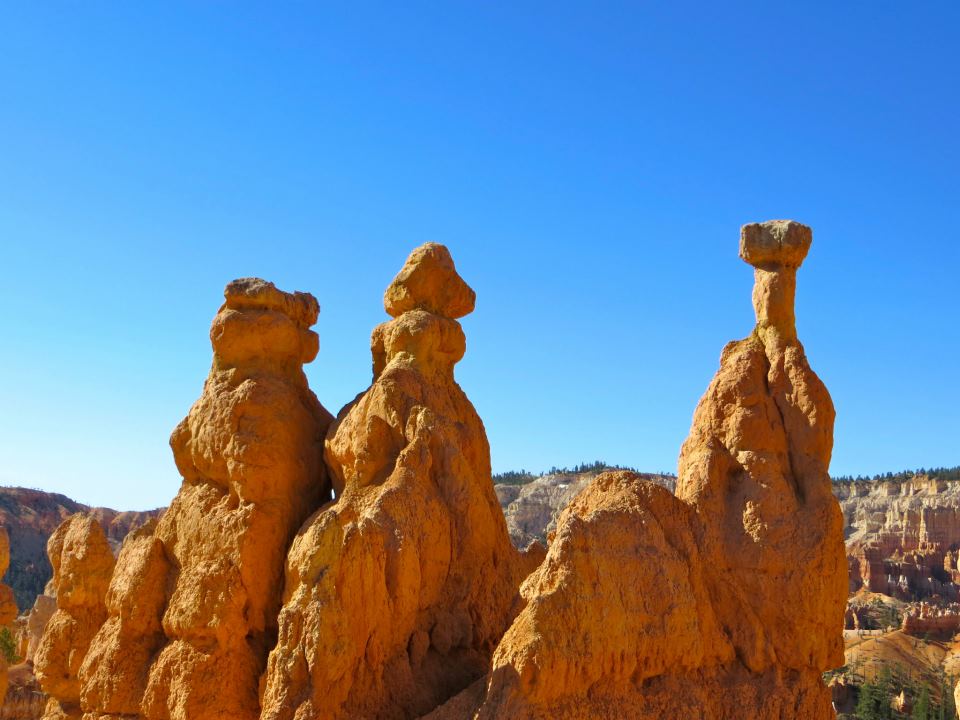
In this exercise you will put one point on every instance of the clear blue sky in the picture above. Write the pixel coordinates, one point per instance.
(588, 164)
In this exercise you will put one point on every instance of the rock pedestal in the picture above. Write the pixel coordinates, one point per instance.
(194, 602)
(397, 593)
(725, 601)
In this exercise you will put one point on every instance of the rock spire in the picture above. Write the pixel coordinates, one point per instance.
(397, 593)
(194, 602)
(724, 601)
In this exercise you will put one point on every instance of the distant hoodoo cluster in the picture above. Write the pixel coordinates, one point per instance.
(360, 567)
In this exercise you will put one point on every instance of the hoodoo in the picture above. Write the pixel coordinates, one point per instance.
(397, 593)
(82, 564)
(194, 601)
(724, 602)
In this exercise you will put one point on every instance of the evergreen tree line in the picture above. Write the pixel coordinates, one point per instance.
(926, 701)
(520, 477)
(941, 473)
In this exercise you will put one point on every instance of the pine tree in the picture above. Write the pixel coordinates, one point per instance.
(921, 707)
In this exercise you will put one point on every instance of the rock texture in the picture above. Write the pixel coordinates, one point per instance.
(31, 516)
(903, 536)
(24, 699)
(397, 593)
(82, 563)
(193, 604)
(531, 509)
(724, 601)
(8, 607)
(35, 623)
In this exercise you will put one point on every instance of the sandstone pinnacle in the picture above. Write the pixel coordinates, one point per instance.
(724, 601)
(193, 604)
(397, 593)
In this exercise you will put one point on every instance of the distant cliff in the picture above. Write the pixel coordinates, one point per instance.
(903, 533)
(902, 530)
(531, 503)
(31, 516)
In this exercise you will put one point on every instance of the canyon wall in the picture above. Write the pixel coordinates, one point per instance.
(903, 536)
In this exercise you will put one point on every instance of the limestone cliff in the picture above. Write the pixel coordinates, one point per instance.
(397, 593)
(724, 601)
(194, 601)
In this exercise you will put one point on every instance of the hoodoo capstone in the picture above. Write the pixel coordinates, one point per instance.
(194, 601)
(723, 602)
(397, 593)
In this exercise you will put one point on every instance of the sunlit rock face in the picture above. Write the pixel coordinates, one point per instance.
(724, 601)
(82, 563)
(193, 605)
(397, 594)
(8, 606)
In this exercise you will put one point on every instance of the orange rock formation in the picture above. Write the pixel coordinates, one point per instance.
(723, 602)
(400, 596)
(397, 593)
(194, 602)
(8, 607)
(82, 564)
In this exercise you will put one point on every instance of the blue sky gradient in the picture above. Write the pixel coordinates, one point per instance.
(588, 164)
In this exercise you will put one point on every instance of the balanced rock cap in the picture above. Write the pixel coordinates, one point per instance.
(775, 242)
(254, 293)
(429, 281)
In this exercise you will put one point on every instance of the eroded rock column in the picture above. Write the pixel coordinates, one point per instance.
(397, 593)
(755, 467)
(723, 602)
(194, 601)
(82, 564)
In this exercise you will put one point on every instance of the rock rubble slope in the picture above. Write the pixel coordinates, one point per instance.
(397, 594)
(724, 601)
(194, 602)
